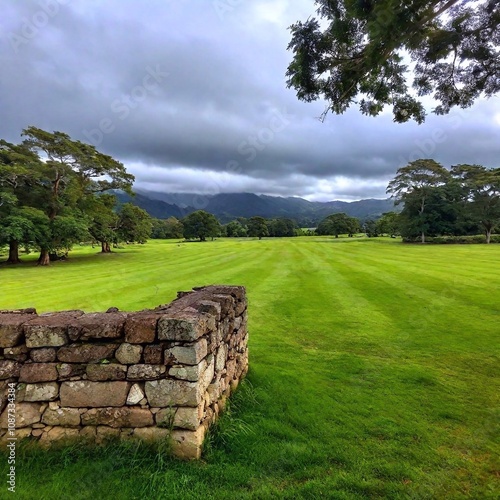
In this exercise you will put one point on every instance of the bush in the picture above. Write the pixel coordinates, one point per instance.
(463, 240)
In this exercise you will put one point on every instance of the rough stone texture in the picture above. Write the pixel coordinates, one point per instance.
(58, 434)
(118, 417)
(86, 353)
(65, 417)
(41, 392)
(9, 369)
(26, 414)
(97, 326)
(38, 372)
(68, 370)
(94, 394)
(104, 372)
(141, 328)
(49, 330)
(187, 444)
(160, 375)
(11, 331)
(167, 392)
(191, 354)
(153, 354)
(145, 372)
(19, 353)
(135, 395)
(152, 434)
(183, 418)
(185, 326)
(129, 354)
(189, 373)
(43, 355)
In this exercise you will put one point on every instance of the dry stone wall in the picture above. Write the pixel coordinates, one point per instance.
(154, 375)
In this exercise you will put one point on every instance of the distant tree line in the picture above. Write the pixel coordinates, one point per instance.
(54, 192)
(464, 200)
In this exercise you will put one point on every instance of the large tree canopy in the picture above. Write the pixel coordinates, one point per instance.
(359, 56)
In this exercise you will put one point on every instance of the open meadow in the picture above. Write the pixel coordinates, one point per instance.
(374, 370)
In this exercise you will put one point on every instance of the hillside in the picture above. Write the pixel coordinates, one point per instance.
(229, 206)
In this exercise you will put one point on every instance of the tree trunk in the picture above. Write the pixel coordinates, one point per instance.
(105, 247)
(423, 237)
(488, 235)
(14, 252)
(44, 259)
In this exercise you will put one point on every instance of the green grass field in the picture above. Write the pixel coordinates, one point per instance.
(374, 370)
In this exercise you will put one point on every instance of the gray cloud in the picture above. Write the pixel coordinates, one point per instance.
(191, 96)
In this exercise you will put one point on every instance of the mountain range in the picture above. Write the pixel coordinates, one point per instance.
(229, 206)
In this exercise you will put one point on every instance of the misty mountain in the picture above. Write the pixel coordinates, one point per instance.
(229, 206)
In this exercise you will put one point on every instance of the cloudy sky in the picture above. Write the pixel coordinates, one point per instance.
(190, 95)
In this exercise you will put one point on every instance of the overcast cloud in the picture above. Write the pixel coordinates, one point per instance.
(190, 95)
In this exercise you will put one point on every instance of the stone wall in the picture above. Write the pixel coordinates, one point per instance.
(155, 374)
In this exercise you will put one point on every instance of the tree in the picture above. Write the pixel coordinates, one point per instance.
(72, 171)
(358, 56)
(281, 227)
(483, 194)
(19, 173)
(134, 224)
(370, 228)
(388, 224)
(413, 185)
(201, 225)
(257, 227)
(336, 224)
(235, 229)
(167, 228)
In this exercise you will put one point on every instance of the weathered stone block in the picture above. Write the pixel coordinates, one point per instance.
(145, 372)
(11, 330)
(93, 394)
(180, 418)
(141, 328)
(26, 414)
(135, 395)
(49, 330)
(185, 326)
(38, 372)
(97, 326)
(167, 392)
(41, 392)
(43, 355)
(105, 433)
(69, 370)
(188, 444)
(59, 435)
(152, 434)
(129, 354)
(153, 354)
(210, 307)
(86, 353)
(19, 353)
(103, 372)
(118, 417)
(9, 369)
(190, 373)
(64, 417)
(220, 358)
(189, 355)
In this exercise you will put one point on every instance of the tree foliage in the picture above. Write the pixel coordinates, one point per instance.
(200, 225)
(339, 223)
(257, 227)
(461, 201)
(53, 194)
(359, 56)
